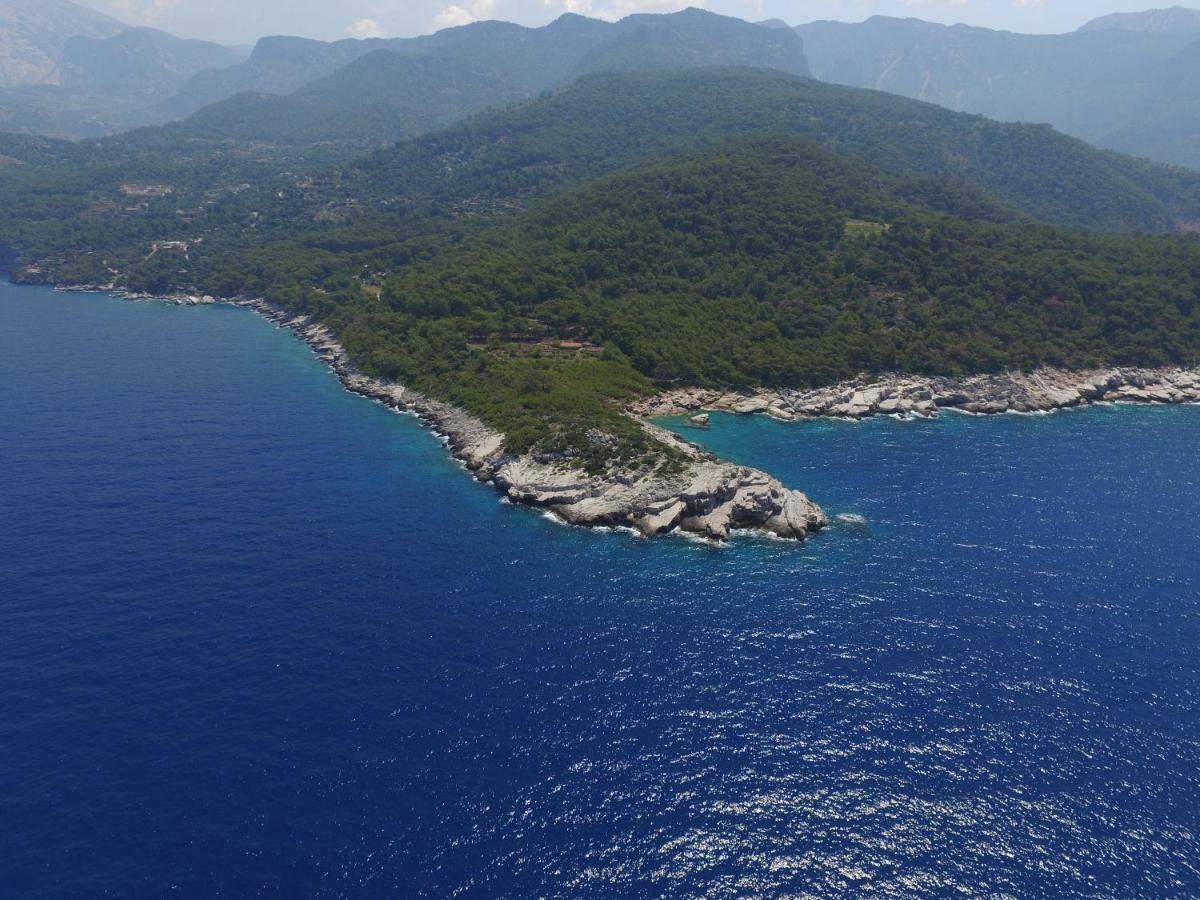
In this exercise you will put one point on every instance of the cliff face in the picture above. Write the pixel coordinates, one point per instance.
(33, 34)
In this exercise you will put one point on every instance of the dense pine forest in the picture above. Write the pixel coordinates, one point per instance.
(543, 264)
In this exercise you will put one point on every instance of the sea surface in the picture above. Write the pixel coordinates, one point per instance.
(261, 637)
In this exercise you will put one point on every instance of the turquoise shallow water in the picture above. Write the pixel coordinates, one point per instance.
(260, 636)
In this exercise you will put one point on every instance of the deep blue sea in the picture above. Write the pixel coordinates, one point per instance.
(261, 637)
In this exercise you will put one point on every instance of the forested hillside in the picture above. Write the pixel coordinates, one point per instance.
(770, 260)
(500, 162)
(599, 124)
(541, 265)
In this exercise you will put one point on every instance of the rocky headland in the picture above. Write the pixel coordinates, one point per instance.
(703, 496)
(1044, 390)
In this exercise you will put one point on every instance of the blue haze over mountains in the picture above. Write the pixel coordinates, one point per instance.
(383, 89)
(1128, 82)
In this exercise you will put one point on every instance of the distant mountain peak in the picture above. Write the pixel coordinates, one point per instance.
(58, 12)
(33, 34)
(1152, 21)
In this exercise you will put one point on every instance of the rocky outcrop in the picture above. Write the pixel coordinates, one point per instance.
(33, 276)
(700, 495)
(703, 494)
(707, 497)
(1041, 391)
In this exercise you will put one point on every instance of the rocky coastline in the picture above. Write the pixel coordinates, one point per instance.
(1044, 390)
(705, 496)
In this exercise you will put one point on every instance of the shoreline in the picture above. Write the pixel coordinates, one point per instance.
(1043, 390)
(710, 499)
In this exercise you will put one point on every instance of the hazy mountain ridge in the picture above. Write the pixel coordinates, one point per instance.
(1176, 20)
(33, 34)
(101, 77)
(139, 61)
(724, 226)
(602, 122)
(277, 65)
(537, 58)
(1166, 124)
(540, 57)
(68, 71)
(694, 39)
(359, 102)
(139, 77)
(1021, 77)
(402, 88)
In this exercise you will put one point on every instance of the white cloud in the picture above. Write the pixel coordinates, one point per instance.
(618, 9)
(143, 12)
(365, 28)
(453, 16)
(465, 14)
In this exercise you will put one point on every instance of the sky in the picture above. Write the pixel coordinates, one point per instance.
(244, 21)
